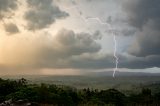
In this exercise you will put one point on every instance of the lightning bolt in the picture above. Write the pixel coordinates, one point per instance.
(115, 56)
(86, 20)
(114, 39)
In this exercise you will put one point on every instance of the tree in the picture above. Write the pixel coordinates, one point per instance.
(112, 96)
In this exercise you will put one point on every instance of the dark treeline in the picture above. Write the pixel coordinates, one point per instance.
(67, 96)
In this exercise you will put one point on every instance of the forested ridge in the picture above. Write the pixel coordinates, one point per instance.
(55, 95)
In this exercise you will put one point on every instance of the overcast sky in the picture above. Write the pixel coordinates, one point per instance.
(61, 36)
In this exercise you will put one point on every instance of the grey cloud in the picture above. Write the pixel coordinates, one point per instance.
(140, 12)
(89, 0)
(147, 43)
(109, 19)
(6, 6)
(133, 62)
(92, 61)
(119, 27)
(73, 2)
(97, 35)
(11, 28)
(51, 52)
(42, 13)
(121, 32)
(66, 45)
(76, 44)
(68, 49)
(127, 32)
(143, 14)
(102, 61)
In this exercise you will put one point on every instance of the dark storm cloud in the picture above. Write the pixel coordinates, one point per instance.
(92, 61)
(68, 49)
(103, 61)
(76, 44)
(11, 28)
(147, 43)
(140, 12)
(42, 13)
(6, 6)
(133, 62)
(144, 15)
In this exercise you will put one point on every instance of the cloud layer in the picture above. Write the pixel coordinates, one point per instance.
(45, 52)
(11, 28)
(7, 6)
(144, 15)
(42, 14)
(34, 48)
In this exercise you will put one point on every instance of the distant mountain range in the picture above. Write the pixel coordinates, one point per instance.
(118, 73)
(94, 74)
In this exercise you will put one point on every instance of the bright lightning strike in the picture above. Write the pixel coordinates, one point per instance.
(98, 20)
(116, 58)
(114, 38)
(86, 20)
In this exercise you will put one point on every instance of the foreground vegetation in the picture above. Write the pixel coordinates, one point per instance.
(67, 96)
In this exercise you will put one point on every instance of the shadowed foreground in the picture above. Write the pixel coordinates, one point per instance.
(19, 93)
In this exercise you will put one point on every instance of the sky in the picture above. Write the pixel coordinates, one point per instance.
(72, 37)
